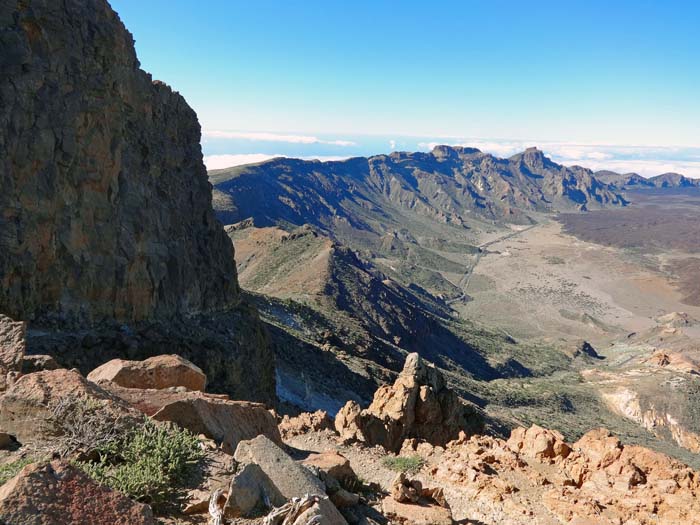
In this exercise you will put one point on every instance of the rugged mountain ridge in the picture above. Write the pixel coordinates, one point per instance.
(109, 245)
(106, 208)
(450, 184)
(631, 181)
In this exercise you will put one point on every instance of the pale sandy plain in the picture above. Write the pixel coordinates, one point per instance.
(543, 282)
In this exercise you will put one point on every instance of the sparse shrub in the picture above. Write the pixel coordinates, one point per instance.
(85, 424)
(407, 464)
(150, 463)
(10, 470)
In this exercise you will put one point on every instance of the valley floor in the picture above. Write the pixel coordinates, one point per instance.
(546, 283)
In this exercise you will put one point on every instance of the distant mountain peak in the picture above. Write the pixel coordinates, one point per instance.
(532, 158)
(444, 151)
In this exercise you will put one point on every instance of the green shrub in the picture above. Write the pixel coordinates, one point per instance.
(149, 463)
(407, 464)
(10, 470)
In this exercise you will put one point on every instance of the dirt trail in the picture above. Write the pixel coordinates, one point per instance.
(464, 281)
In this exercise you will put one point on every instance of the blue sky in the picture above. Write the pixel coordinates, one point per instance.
(595, 83)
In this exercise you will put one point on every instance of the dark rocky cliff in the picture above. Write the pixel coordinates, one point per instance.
(105, 208)
(108, 242)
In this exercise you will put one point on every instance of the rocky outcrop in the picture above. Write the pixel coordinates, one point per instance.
(304, 423)
(57, 493)
(536, 475)
(157, 372)
(215, 416)
(417, 406)
(539, 443)
(106, 208)
(27, 408)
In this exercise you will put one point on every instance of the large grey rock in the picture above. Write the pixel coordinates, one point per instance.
(291, 479)
(251, 489)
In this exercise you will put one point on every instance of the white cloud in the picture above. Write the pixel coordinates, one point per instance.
(642, 159)
(216, 162)
(274, 137)
(646, 168)
(392, 144)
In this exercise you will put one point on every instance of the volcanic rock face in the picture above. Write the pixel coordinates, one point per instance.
(106, 224)
(105, 209)
(418, 405)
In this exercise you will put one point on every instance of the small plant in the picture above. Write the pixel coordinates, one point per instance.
(85, 424)
(10, 470)
(407, 464)
(149, 463)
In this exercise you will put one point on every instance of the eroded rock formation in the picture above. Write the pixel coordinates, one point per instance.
(418, 405)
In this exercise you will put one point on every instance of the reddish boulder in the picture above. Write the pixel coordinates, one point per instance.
(333, 464)
(57, 493)
(26, 407)
(537, 442)
(214, 415)
(158, 372)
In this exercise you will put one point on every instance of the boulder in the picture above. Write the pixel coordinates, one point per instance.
(406, 490)
(12, 347)
(289, 477)
(38, 363)
(26, 408)
(418, 405)
(57, 493)
(333, 464)
(213, 415)
(251, 489)
(342, 498)
(304, 423)
(537, 442)
(157, 372)
(599, 447)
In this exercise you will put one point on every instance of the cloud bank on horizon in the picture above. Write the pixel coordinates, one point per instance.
(223, 149)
